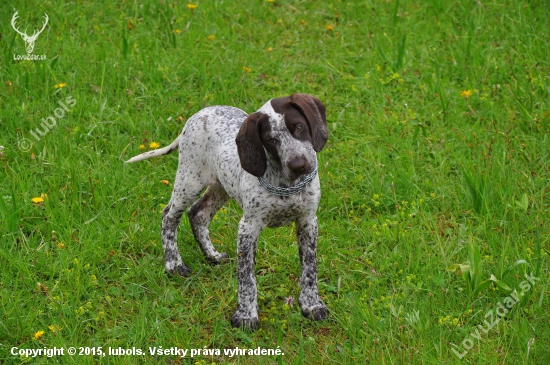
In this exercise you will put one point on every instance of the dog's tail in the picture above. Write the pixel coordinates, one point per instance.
(160, 152)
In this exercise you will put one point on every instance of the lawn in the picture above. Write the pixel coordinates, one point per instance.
(434, 228)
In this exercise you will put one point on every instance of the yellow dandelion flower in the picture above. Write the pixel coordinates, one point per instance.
(38, 335)
(59, 86)
(61, 245)
(270, 49)
(165, 182)
(330, 28)
(269, 1)
(141, 147)
(191, 6)
(247, 69)
(154, 145)
(466, 94)
(211, 37)
(177, 31)
(37, 200)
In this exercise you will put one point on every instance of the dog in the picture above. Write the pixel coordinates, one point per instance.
(266, 161)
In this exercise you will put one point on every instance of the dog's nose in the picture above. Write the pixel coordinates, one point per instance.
(298, 165)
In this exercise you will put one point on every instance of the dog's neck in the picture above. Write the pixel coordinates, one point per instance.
(275, 183)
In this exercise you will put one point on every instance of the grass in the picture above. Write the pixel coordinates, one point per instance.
(435, 178)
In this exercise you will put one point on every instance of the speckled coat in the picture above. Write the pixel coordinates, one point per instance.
(224, 150)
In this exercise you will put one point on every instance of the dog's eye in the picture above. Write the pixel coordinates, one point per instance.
(271, 140)
(298, 128)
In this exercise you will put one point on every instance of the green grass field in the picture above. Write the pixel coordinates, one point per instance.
(435, 179)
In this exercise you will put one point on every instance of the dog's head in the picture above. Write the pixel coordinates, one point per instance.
(288, 131)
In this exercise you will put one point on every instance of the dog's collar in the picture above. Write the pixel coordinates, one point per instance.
(298, 188)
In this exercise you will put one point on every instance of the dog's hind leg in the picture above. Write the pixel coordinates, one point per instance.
(200, 215)
(186, 191)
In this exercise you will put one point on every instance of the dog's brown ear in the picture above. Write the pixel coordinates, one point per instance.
(314, 111)
(250, 147)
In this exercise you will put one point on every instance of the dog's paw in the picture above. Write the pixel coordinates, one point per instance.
(180, 270)
(246, 324)
(219, 258)
(316, 313)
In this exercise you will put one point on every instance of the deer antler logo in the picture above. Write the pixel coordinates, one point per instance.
(29, 41)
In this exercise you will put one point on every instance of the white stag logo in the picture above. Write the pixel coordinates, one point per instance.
(29, 41)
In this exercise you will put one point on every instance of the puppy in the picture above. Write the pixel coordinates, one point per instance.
(267, 162)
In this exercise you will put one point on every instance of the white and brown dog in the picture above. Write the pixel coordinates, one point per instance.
(267, 162)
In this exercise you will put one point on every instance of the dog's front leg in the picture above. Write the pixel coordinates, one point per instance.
(246, 315)
(310, 302)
